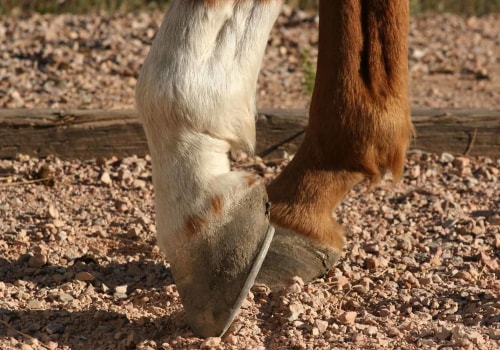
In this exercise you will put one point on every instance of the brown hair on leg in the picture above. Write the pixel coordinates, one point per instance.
(359, 123)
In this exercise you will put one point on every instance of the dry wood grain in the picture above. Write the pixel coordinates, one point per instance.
(85, 134)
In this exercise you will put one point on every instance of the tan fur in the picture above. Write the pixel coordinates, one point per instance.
(217, 205)
(359, 123)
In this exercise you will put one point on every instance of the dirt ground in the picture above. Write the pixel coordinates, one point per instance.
(79, 265)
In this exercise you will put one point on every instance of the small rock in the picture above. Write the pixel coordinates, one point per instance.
(476, 337)
(372, 263)
(294, 288)
(121, 205)
(298, 280)
(124, 174)
(55, 328)
(446, 157)
(58, 278)
(295, 310)
(371, 331)
(139, 183)
(53, 213)
(321, 325)
(37, 260)
(393, 332)
(246, 304)
(443, 334)
(360, 289)
(494, 334)
(211, 342)
(340, 282)
(261, 289)
(106, 178)
(385, 312)
(464, 275)
(348, 317)
(120, 296)
(133, 232)
(61, 236)
(414, 172)
(404, 243)
(372, 248)
(461, 162)
(35, 305)
(121, 289)
(65, 297)
(58, 223)
(231, 339)
(84, 276)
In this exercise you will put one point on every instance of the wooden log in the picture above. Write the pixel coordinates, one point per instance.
(87, 134)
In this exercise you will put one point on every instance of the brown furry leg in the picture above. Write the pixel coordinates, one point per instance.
(359, 123)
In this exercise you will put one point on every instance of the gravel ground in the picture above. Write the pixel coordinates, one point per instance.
(69, 61)
(79, 265)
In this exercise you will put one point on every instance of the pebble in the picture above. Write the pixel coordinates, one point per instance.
(372, 263)
(211, 342)
(58, 223)
(340, 282)
(133, 232)
(139, 183)
(321, 325)
(84, 276)
(53, 213)
(294, 288)
(106, 178)
(446, 157)
(464, 275)
(461, 162)
(55, 328)
(35, 305)
(371, 330)
(121, 289)
(37, 260)
(393, 332)
(65, 297)
(231, 339)
(348, 317)
(295, 309)
(61, 236)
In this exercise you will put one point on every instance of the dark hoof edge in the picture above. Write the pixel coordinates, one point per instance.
(217, 269)
(291, 255)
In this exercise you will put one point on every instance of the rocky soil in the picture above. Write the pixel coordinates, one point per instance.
(92, 61)
(79, 266)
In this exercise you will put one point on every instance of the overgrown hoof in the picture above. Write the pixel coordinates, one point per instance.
(217, 268)
(291, 255)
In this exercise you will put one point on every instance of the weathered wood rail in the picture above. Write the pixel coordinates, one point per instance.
(86, 134)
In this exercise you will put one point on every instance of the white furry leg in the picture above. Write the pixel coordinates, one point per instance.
(195, 96)
(196, 99)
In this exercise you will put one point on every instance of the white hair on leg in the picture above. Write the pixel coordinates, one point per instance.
(196, 98)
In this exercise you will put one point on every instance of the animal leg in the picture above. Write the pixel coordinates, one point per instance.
(359, 127)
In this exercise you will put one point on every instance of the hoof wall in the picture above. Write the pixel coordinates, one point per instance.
(217, 269)
(291, 255)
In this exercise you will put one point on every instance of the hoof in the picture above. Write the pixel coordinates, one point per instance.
(216, 269)
(291, 255)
